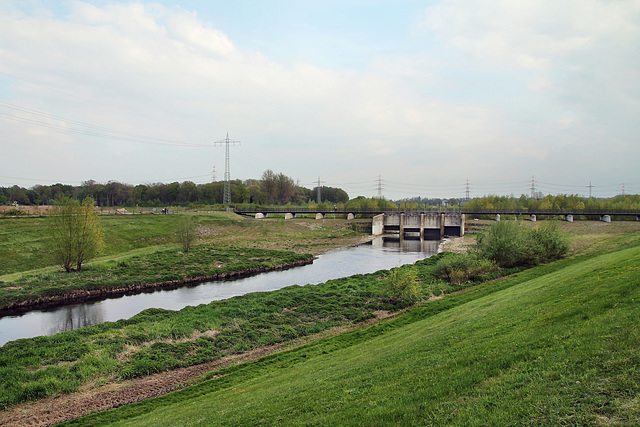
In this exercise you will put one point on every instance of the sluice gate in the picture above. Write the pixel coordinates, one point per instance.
(430, 226)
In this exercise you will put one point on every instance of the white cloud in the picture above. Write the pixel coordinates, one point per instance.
(501, 83)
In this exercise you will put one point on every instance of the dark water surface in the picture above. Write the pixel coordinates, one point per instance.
(380, 254)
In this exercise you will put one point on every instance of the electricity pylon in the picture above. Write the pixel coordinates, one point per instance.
(226, 198)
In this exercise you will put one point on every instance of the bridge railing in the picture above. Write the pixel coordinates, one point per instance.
(297, 210)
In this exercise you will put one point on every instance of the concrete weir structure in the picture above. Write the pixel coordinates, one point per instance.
(432, 226)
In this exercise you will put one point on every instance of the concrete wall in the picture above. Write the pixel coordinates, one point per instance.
(454, 224)
(377, 225)
(392, 219)
(413, 221)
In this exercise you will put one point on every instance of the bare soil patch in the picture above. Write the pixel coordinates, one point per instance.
(457, 244)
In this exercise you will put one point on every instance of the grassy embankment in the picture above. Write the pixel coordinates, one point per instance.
(140, 251)
(558, 344)
(160, 340)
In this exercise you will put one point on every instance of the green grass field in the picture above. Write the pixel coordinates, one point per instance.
(23, 240)
(558, 344)
(141, 250)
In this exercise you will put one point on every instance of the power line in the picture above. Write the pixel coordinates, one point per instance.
(86, 128)
(92, 101)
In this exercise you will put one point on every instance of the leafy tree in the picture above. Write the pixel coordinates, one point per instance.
(279, 188)
(75, 232)
(187, 232)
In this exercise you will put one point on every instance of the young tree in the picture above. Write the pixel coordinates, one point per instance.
(89, 241)
(187, 232)
(76, 235)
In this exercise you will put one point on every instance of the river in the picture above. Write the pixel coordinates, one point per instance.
(379, 254)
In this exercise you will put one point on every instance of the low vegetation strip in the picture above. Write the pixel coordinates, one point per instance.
(555, 345)
(167, 267)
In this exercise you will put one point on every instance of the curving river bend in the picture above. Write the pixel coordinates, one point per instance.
(379, 254)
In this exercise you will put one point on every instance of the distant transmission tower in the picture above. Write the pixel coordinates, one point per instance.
(213, 174)
(590, 188)
(466, 192)
(379, 187)
(533, 187)
(226, 199)
(319, 195)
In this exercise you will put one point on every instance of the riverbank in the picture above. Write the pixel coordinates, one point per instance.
(168, 268)
(486, 343)
(140, 255)
(23, 241)
(159, 340)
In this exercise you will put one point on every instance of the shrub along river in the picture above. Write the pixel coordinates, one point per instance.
(380, 254)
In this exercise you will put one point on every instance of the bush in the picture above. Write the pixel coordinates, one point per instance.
(553, 244)
(400, 285)
(510, 244)
(460, 268)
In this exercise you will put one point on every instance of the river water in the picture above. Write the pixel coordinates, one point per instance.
(379, 254)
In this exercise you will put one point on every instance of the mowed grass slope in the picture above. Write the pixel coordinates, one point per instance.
(550, 346)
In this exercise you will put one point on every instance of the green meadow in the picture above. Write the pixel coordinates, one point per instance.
(557, 344)
(142, 251)
(553, 344)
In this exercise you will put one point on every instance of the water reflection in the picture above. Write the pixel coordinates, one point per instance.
(380, 254)
(74, 317)
(410, 244)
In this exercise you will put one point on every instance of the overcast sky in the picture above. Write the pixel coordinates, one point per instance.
(419, 96)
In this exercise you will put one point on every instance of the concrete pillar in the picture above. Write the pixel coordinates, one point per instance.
(569, 218)
(377, 225)
(319, 216)
(497, 217)
(606, 218)
(260, 215)
(289, 216)
(533, 218)
(351, 216)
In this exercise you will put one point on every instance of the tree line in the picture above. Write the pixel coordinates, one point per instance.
(554, 202)
(272, 189)
(279, 189)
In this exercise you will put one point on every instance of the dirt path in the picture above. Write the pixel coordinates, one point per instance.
(61, 408)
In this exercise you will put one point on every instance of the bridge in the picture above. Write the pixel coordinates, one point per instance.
(567, 214)
(434, 224)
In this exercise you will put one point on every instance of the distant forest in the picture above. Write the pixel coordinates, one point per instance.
(278, 189)
(272, 189)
